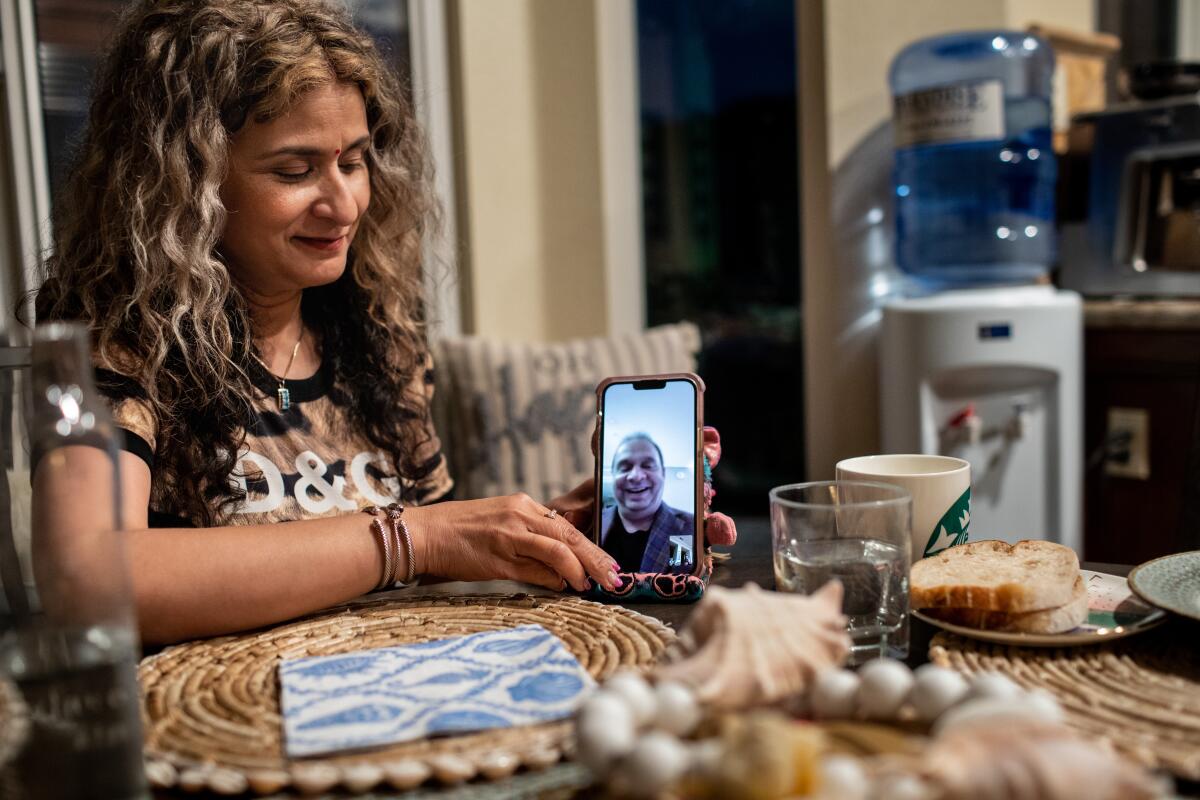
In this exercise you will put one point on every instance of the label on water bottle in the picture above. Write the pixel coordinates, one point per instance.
(956, 112)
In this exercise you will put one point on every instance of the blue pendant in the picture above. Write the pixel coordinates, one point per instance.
(285, 398)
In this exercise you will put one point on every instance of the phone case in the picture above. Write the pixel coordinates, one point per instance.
(650, 583)
(653, 587)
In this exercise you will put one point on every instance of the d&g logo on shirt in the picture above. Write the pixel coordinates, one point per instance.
(317, 487)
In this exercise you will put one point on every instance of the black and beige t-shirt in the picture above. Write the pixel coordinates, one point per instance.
(301, 463)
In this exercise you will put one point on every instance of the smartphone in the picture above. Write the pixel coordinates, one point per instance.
(650, 472)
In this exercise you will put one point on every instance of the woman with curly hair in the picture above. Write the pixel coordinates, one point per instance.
(242, 235)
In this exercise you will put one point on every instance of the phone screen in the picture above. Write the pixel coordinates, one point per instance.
(647, 470)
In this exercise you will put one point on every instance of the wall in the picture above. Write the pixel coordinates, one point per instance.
(530, 205)
(841, 321)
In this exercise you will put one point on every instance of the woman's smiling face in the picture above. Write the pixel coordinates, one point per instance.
(297, 188)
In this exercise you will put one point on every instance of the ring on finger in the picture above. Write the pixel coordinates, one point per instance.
(551, 514)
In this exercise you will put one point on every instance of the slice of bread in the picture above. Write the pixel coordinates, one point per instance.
(1049, 620)
(996, 576)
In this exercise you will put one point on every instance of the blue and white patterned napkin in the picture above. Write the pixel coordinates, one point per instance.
(395, 694)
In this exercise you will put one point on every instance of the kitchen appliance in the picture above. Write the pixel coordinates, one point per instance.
(993, 376)
(1129, 209)
(1138, 231)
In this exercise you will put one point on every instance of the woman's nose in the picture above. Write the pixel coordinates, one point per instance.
(336, 201)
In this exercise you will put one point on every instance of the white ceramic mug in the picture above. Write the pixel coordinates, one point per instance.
(941, 491)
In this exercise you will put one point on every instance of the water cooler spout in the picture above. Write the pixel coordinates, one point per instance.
(1017, 424)
(965, 427)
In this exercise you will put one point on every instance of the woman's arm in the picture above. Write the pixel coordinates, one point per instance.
(193, 582)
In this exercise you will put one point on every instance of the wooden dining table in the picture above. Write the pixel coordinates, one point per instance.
(748, 561)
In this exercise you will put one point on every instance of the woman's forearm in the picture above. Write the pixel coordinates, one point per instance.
(191, 582)
(200, 582)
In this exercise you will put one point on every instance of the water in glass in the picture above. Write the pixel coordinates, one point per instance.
(875, 579)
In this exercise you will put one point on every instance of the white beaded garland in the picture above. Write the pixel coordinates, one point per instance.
(606, 733)
(658, 760)
(934, 690)
(833, 694)
(842, 778)
(605, 730)
(993, 684)
(884, 688)
(675, 708)
(608, 724)
(637, 694)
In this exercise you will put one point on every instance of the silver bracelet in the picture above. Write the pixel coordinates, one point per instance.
(400, 529)
(384, 535)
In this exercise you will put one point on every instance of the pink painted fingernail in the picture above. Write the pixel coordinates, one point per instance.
(617, 582)
(613, 568)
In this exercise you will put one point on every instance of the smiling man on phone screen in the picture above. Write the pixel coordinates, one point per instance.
(638, 530)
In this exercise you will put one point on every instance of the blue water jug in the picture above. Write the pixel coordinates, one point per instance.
(975, 166)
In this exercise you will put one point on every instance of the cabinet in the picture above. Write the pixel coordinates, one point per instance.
(1141, 429)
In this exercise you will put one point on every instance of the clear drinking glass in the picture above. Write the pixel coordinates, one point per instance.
(68, 641)
(859, 533)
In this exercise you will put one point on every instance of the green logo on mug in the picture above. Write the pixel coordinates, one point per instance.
(952, 527)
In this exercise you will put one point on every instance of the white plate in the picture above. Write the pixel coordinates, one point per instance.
(1114, 612)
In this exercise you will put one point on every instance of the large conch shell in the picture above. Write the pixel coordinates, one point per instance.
(743, 648)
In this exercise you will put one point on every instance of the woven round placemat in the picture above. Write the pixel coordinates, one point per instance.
(1142, 694)
(211, 707)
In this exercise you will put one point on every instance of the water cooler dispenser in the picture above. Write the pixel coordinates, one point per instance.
(993, 376)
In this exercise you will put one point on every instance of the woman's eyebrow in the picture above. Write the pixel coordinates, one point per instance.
(311, 151)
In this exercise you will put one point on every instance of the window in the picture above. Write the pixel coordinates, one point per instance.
(721, 219)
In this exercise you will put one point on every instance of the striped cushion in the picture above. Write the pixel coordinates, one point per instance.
(519, 417)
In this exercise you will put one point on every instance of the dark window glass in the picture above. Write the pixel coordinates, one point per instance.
(387, 22)
(70, 35)
(717, 91)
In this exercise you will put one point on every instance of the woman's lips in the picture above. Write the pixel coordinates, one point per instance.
(322, 244)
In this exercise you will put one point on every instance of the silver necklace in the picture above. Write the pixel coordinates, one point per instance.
(283, 397)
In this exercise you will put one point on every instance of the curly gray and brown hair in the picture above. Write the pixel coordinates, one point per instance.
(137, 231)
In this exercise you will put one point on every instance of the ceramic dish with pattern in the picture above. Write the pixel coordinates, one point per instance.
(1170, 582)
(1113, 613)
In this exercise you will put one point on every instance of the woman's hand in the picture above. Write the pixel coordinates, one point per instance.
(510, 538)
